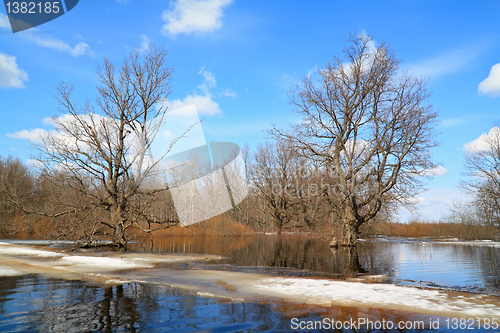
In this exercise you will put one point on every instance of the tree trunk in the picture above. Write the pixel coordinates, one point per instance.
(348, 261)
(346, 235)
(119, 239)
(119, 236)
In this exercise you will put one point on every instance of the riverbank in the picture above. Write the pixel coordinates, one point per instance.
(364, 291)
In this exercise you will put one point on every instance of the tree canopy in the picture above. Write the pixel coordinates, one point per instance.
(370, 124)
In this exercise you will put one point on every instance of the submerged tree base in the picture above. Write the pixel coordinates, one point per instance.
(345, 235)
(336, 244)
(112, 246)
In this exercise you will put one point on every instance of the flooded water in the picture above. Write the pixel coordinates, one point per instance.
(473, 266)
(34, 304)
(31, 303)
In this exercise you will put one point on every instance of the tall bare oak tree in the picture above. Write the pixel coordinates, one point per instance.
(371, 125)
(101, 150)
(483, 166)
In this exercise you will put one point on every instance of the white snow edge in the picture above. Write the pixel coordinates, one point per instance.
(321, 291)
(7, 271)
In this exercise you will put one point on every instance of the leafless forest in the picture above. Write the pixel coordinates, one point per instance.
(362, 149)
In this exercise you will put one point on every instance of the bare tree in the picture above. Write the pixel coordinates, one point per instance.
(487, 204)
(289, 185)
(101, 150)
(272, 177)
(16, 183)
(483, 166)
(16, 189)
(370, 125)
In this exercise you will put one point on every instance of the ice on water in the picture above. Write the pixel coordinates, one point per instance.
(147, 268)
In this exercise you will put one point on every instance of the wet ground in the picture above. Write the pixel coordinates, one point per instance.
(236, 290)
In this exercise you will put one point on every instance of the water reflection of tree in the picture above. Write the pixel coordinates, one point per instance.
(347, 260)
(7, 288)
(92, 308)
(489, 262)
(288, 251)
(448, 264)
(71, 306)
(37, 304)
(485, 258)
(377, 257)
(117, 310)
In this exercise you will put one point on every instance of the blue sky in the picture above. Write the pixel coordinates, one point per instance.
(237, 60)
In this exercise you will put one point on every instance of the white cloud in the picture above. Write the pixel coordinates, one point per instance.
(431, 205)
(367, 62)
(67, 120)
(443, 64)
(312, 71)
(203, 99)
(48, 121)
(491, 85)
(484, 142)
(49, 42)
(194, 16)
(4, 22)
(228, 92)
(34, 163)
(210, 81)
(418, 200)
(204, 104)
(63, 125)
(145, 44)
(453, 122)
(355, 149)
(371, 51)
(11, 76)
(56, 44)
(347, 68)
(34, 135)
(289, 80)
(436, 171)
(167, 134)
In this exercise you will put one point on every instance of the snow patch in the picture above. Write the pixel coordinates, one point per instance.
(205, 294)
(7, 271)
(378, 295)
(102, 262)
(9, 249)
(483, 242)
(117, 282)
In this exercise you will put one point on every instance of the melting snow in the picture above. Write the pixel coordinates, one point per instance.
(14, 255)
(313, 291)
(7, 271)
(489, 243)
(9, 249)
(320, 291)
(102, 262)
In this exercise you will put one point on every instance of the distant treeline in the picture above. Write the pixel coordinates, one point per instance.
(429, 229)
(273, 205)
(359, 151)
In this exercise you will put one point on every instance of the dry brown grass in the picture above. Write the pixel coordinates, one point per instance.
(222, 225)
(423, 229)
(19, 227)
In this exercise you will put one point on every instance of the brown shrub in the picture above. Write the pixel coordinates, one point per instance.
(425, 229)
(222, 225)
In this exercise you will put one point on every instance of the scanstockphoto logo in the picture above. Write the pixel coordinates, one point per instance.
(204, 179)
(25, 15)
